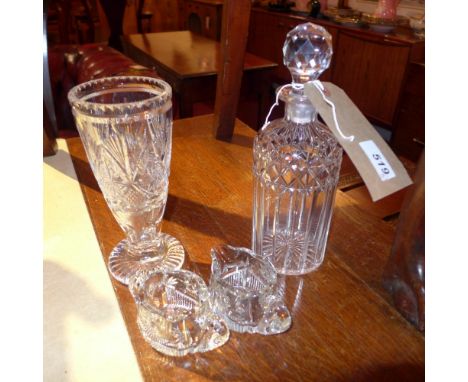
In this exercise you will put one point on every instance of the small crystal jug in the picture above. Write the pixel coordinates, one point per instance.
(297, 162)
(174, 313)
(244, 292)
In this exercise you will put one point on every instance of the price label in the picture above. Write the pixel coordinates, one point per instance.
(375, 156)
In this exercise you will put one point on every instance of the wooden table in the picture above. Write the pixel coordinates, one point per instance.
(189, 63)
(344, 325)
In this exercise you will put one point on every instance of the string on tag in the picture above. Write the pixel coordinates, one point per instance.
(321, 89)
(265, 124)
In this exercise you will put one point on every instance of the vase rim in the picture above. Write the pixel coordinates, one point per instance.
(79, 96)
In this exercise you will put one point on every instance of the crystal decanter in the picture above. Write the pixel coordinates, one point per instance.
(297, 162)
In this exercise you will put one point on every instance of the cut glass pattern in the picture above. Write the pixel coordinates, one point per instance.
(243, 289)
(307, 52)
(174, 314)
(125, 124)
(296, 166)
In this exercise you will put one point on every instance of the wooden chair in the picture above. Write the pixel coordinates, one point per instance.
(67, 65)
(84, 19)
(234, 33)
(72, 21)
(144, 18)
(114, 11)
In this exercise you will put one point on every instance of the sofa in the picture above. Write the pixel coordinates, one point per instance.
(70, 65)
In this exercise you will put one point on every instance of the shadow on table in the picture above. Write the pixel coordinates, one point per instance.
(88, 180)
(242, 140)
(390, 373)
(66, 294)
(173, 207)
(208, 220)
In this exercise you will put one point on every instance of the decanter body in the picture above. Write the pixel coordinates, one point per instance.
(296, 168)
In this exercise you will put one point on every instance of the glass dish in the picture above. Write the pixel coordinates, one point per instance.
(243, 292)
(174, 314)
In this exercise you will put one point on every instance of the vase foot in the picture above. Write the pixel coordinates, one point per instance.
(123, 265)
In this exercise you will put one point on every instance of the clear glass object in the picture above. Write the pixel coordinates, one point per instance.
(125, 124)
(174, 313)
(244, 292)
(297, 162)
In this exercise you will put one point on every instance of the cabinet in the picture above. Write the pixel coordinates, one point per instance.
(370, 67)
(408, 139)
(202, 17)
(371, 71)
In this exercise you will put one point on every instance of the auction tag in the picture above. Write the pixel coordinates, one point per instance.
(381, 170)
(384, 170)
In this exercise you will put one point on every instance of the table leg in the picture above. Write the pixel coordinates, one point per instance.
(185, 106)
(185, 98)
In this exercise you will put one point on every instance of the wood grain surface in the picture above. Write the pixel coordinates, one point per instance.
(187, 54)
(344, 326)
(190, 64)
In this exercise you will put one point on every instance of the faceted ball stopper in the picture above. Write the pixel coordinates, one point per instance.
(307, 52)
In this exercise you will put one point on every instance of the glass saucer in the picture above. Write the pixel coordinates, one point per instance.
(243, 292)
(174, 314)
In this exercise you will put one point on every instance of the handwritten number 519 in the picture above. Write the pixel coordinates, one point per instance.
(377, 157)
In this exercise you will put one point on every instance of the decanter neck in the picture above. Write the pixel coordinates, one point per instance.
(298, 108)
